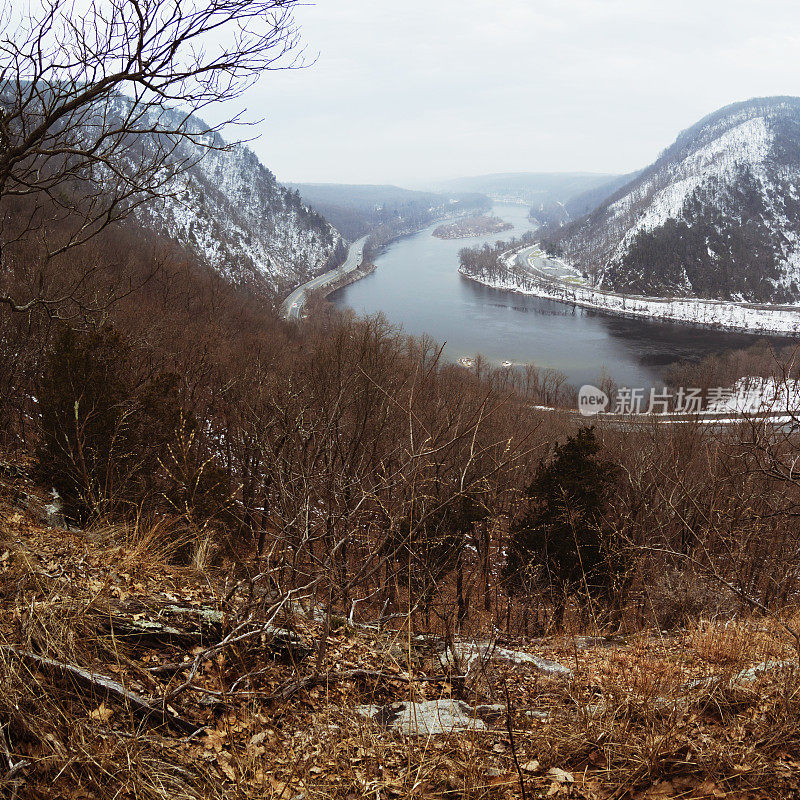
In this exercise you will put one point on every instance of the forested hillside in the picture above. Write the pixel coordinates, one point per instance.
(240, 522)
(233, 214)
(715, 216)
(358, 210)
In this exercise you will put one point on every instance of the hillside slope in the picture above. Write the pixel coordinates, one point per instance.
(230, 210)
(717, 215)
(584, 203)
(119, 679)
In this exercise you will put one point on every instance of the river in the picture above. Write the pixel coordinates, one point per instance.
(417, 285)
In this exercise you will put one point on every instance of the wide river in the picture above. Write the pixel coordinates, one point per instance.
(417, 285)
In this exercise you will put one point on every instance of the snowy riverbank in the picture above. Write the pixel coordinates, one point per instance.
(718, 314)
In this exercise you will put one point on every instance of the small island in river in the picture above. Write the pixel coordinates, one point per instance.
(468, 227)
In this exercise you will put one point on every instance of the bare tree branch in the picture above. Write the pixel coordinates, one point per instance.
(98, 104)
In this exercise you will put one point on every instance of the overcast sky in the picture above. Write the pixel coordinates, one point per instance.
(413, 91)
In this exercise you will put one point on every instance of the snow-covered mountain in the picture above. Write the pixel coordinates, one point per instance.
(717, 215)
(230, 210)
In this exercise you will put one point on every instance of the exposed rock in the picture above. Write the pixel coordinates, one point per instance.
(53, 512)
(470, 655)
(187, 625)
(542, 716)
(145, 630)
(752, 674)
(397, 652)
(432, 717)
(312, 613)
(745, 676)
(493, 772)
(48, 514)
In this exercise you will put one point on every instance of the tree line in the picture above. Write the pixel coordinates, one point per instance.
(346, 463)
(339, 462)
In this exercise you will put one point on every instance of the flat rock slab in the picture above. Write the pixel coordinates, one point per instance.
(432, 717)
(745, 676)
(470, 655)
(752, 674)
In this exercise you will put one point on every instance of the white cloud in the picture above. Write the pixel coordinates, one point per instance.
(428, 88)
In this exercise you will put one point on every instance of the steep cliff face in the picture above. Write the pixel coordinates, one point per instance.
(717, 215)
(230, 210)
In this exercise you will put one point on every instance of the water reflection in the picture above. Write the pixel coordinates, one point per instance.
(417, 285)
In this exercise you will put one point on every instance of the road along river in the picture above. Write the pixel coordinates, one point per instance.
(417, 285)
(292, 307)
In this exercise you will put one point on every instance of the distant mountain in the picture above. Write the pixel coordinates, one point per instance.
(717, 215)
(581, 204)
(230, 210)
(356, 210)
(541, 190)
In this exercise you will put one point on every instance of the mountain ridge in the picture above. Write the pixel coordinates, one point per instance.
(716, 215)
(230, 210)
(359, 209)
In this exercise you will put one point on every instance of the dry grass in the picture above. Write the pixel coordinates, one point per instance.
(633, 721)
(738, 643)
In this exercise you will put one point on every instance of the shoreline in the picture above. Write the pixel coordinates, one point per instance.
(466, 228)
(326, 289)
(789, 330)
(380, 248)
(351, 277)
(292, 306)
(718, 315)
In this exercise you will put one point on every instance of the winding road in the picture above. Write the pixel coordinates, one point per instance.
(293, 305)
(533, 258)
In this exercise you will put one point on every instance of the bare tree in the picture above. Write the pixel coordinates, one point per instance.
(80, 83)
